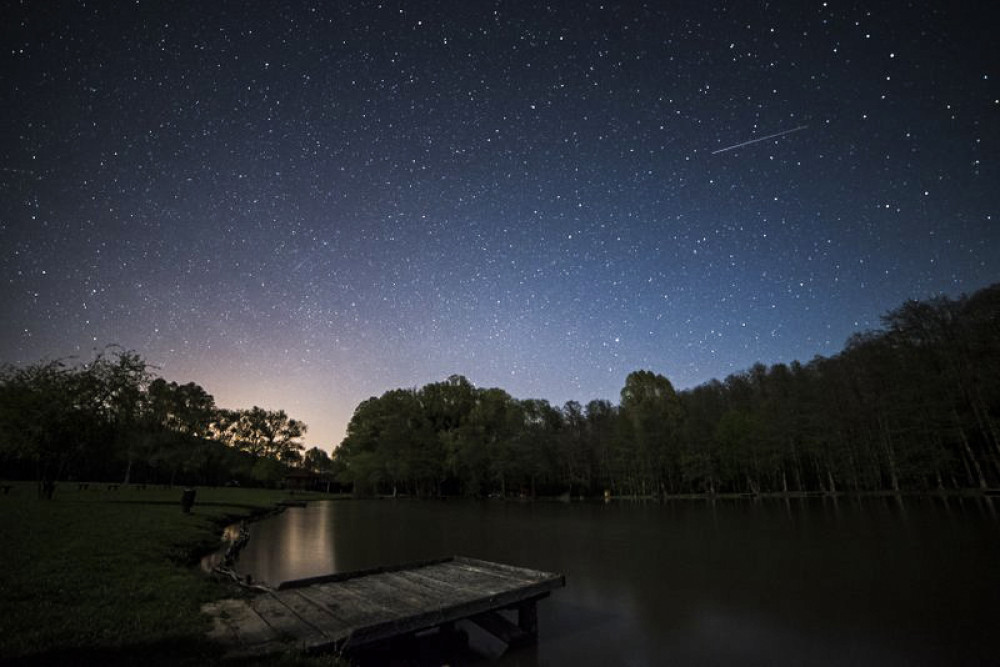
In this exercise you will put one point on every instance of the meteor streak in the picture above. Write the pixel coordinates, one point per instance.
(753, 141)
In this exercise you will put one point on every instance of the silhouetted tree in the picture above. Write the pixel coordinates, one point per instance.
(915, 405)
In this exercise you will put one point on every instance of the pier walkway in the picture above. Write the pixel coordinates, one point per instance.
(344, 612)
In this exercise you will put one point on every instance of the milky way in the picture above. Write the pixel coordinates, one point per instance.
(301, 205)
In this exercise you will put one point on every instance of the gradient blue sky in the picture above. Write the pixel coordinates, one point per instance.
(300, 205)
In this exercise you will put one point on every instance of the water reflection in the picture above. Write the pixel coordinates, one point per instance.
(297, 543)
(802, 581)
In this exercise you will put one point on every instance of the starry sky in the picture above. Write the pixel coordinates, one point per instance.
(300, 205)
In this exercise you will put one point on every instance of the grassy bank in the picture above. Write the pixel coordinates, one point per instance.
(108, 576)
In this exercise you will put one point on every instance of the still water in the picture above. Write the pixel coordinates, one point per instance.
(803, 582)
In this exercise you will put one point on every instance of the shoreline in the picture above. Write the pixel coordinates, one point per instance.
(709, 497)
(101, 576)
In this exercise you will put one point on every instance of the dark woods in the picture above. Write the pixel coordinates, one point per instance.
(911, 407)
(112, 420)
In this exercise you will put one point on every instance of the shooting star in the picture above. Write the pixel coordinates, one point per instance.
(753, 141)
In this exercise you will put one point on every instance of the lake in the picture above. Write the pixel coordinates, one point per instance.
(874, 581)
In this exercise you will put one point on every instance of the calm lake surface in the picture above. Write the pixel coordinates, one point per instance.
(817, 581)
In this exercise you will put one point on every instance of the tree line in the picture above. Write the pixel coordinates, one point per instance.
(911, 406)
(113, 419)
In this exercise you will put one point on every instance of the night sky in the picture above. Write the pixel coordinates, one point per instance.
(300, 205)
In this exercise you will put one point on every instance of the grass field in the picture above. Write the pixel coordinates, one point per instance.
(101, 576)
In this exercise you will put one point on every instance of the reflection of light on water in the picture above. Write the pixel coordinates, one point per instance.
(295, 544)
(308, 544)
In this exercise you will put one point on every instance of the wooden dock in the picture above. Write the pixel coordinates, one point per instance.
(349, 611)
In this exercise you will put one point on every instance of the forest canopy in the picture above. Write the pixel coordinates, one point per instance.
(912, 406)
(112, 419)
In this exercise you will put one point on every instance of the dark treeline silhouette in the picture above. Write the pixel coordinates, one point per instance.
(111, 419)
(913, 406)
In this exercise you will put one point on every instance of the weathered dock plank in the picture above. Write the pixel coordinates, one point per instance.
(458, 577)
(409, 584)
(237, 625)
(350, 610)
(326, 624)
(289, 626)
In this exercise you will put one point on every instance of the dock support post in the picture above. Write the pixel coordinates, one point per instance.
(527, 618)
(448, 631)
